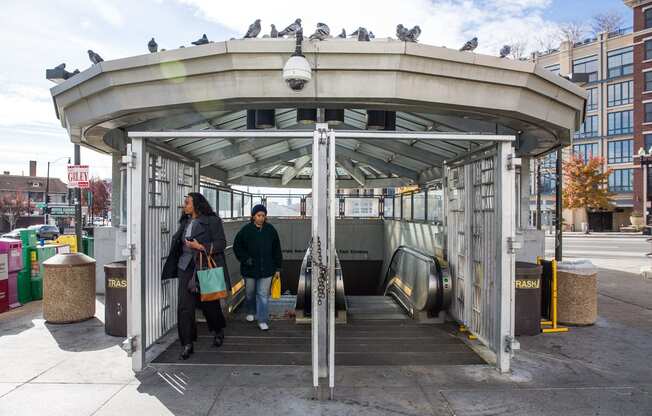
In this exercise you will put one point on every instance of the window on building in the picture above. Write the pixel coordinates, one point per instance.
(620, 151)
(647, 15)
(647, 141)
(648, 49)
(620, 180)
(620, 122)
(648, 112)
(589, 128)
(647, 76)
(592, 100)
(586, 150)
(554, 68)
(588, 65)
(620, 62)
(620, 94)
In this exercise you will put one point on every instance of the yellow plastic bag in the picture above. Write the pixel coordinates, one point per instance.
(276, 287)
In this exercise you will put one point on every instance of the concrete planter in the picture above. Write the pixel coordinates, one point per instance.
(637, 221)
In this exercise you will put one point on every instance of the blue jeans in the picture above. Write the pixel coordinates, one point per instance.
(257, 296)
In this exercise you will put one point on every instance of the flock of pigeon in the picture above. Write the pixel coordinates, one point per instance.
(321, 33)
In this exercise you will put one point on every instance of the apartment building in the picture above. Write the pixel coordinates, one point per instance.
(608, 129)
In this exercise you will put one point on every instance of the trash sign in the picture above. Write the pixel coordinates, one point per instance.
(78, 176)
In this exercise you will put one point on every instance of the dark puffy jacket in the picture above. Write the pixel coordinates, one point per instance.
(258, 250)
(208, 230)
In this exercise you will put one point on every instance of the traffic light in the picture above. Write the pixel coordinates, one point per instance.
(48, 198)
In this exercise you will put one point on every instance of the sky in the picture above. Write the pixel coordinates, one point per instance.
(41, 34)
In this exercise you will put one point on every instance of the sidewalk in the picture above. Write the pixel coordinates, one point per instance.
(78, 370)
(615, 234)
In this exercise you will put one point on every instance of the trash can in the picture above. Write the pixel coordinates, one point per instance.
(87, 246)
(24, 286)
(115, 301)
(69, 288)
(577, 292)
(528, 299)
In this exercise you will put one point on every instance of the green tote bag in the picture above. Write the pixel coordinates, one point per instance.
(211, 280)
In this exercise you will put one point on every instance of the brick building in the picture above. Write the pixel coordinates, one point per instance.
(31, 188)
(642, 93)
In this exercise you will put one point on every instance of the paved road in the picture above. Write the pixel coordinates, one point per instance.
(626, 253)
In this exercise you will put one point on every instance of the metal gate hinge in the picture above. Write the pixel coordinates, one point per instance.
(512, 162)
(129, 250)
(129, 345)
(513, 244)
(129, 160)
(511, 344)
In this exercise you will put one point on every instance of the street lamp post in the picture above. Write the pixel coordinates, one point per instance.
(644, 159)
(47, 188)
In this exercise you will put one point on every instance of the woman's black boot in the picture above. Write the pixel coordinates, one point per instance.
(187, 350)
(218, 340)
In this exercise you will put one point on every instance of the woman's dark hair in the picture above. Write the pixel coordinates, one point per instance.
(200, 204)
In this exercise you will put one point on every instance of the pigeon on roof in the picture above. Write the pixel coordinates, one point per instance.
(152, 46)
(292, 29)
(413, 34)
(254, 29)
(322, 32)
(273, 33)
(94, 57)
(505, 51)
(470, 45)
(401, 32)
(343, 34)
(201, 41)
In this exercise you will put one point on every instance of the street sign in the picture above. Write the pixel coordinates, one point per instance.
(40, 205)
(65, 211)
(78, 176)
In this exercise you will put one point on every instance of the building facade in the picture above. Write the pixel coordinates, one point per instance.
(642, 95)
(608, 130)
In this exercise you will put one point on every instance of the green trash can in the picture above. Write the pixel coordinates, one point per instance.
(25, 286)
(88, 246)
(37, 287)
(28, 238)
(43, 253)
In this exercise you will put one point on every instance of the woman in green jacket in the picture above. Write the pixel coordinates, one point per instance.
(258, 250)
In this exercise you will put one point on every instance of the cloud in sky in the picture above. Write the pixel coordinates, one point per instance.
(444, 22)
(53, 32)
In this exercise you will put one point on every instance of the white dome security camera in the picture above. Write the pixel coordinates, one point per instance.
(297, 72)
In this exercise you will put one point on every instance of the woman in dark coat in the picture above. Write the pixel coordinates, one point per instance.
(258, 250)
(200, 229)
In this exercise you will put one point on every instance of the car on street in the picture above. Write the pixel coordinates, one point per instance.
(13, 234)
(46, 232)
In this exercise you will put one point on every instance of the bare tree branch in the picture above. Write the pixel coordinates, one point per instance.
(609, 21)
(572, 31)
(519, 49)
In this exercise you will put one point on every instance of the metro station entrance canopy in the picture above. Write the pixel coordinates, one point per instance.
(211, 87)
(375, 114)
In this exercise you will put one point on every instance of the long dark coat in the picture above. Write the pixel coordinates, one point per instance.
(208, 230)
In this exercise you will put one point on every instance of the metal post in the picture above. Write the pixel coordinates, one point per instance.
(538, 163)
(47, 192)
(332, 206)
(78, 213)
(558, 207)
(645, 168)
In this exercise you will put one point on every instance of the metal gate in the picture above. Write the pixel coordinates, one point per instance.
(480, 231)
(157, 182)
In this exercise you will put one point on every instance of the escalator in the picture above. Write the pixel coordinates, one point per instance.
(395, 326)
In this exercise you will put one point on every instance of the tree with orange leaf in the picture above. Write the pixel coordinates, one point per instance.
(585, 183)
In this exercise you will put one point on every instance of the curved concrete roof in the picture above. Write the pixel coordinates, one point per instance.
(209, 86)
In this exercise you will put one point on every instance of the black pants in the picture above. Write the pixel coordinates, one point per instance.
(186, 323)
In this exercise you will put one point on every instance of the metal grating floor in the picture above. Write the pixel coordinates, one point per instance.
(377, 334)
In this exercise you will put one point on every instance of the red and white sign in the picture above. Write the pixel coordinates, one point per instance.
(78, 176)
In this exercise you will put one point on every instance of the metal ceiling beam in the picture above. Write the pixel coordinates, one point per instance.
(291, 172)
(353, 171)
(234, 150)
(306, 183)
(406, 150)
(348, 134)
(302, 150)
(381, 165)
